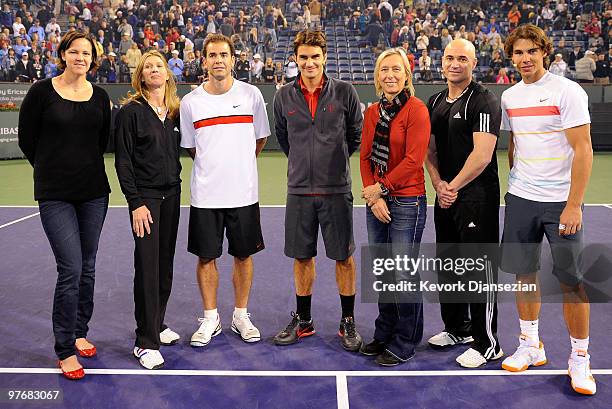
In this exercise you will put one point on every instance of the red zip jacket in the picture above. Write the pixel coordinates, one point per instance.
(410, 132)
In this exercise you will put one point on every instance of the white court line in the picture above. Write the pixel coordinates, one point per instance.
(321, 374)
(342, 392)
(608, 205)
(19, 220)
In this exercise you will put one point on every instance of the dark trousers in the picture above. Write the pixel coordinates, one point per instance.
(400, 319)
(73, 230)
(470, 222)
(153, 267)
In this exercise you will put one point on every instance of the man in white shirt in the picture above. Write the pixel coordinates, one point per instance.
(256, 68)
(224, 126)
(550, 157)
(558, 67)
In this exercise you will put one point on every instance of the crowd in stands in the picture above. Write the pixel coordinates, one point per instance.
(124, 29)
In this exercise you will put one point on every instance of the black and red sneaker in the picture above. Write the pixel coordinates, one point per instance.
(296, 329)
(351, 340)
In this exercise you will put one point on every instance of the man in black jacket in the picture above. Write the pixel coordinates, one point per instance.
(318, 125)
(24, 68)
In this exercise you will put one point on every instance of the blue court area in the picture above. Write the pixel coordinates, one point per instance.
(228, 373)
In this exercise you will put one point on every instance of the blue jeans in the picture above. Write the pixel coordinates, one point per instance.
(400, 324)
(73, 230)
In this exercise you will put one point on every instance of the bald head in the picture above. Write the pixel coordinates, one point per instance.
(461, 46)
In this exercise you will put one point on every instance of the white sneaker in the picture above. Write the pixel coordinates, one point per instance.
(580, 373)
(149, 358)
(446, 339)
(243, 326)
(168, 337)
(473, 359)
(208, 329)
(526, 355)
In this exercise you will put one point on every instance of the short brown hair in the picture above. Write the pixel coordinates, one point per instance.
(311, 38)
(529, 32)
(67, 40)
(218, 38)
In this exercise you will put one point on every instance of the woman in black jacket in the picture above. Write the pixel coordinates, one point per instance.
(147, 162)
(64, 126)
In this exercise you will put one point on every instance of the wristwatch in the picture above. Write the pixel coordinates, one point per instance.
(383, 189)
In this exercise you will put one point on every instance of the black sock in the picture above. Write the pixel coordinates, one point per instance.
(303, 306)
(348, 305)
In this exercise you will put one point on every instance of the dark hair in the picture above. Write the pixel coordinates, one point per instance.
(529, 32)
(218, 38)
(67, 40)
(311, 38)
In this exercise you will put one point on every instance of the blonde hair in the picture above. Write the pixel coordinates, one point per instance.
(405, 63)
(171, 100)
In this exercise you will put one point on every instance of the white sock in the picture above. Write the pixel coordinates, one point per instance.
(581, 345)
(239, 312)
(530, 330)
(211, 314)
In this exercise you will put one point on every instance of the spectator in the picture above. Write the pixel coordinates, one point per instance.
(585, 68)
(558, 66)
(53, 27)
(307, 16)
(226, 28)
(38, 69)
(489, 77)
(242, 67)
(435, 44)
(6, 16)
(268, 71)
(409, 55)
(315, 12)
(446, 38)
(295, 8)
(576, 55)
(514, 16)
(291, 69)
(24, 68)
(279, 75)
(596, 43)
(17, 26)
(176, 65)
(133, 56)
(51, 68)
(211, 25)
(602, 70)
(107, 73)
(256, 68)
(36, 28)
(9, 65)
(502, 77)
(493, 37)
(422, 42)
(125, 44)
(374, 31)
(124, 74)
(563, 50)
(425, 67)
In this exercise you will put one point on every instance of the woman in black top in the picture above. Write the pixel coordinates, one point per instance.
(148, 167)
(64, 126)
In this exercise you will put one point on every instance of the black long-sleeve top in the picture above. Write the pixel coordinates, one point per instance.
(65, 141)
(146, 153)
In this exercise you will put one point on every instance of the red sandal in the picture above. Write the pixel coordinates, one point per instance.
(88, 352)
(72, 375)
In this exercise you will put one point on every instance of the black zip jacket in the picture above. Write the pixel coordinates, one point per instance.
(147, 154)
(318, 149)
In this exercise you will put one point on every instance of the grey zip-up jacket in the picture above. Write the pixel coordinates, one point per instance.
(318, 149)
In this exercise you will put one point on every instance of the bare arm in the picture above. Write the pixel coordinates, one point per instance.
(260, 145)
(477, 161)
(579, 139)
(511, 150)
(431, 162)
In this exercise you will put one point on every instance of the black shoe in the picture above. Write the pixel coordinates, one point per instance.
(296, 329)
(374, 348)
(387, 358)
(351, 340)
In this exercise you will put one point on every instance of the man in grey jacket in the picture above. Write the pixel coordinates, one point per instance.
(585, 67)
(318, 125)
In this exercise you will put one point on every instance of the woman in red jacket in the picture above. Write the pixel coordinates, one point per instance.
(395, 137)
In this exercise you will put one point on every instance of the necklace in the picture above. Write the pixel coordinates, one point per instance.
(160, 111)
(449, 99)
